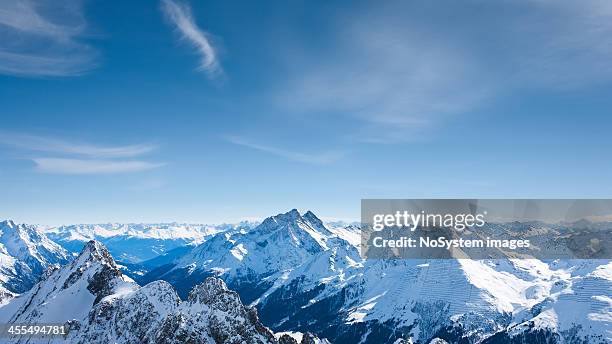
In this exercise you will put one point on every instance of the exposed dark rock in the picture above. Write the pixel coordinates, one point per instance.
(287, 339)
(101, 283)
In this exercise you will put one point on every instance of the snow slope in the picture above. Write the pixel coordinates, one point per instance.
(303, 276)
(255, 262)
(135, 243)
(25, 253)
(100, 305)
(69, 292)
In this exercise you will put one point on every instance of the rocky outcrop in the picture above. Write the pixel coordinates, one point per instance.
(214, 314)
(100, 305)
(155, 314)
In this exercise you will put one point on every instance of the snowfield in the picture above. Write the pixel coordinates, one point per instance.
(304, 276)
(100, 305)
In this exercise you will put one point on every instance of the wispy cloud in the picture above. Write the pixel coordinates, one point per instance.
(315, 159)
(179, 14)
(398, 76)
(41, 38)
(79, 157)
(393, 80)
(52, 145)
(85, 166)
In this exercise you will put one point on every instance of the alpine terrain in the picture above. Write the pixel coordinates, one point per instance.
(304, 276)
(135, 243)
(99, 304)
(25, 253)
(297, 276)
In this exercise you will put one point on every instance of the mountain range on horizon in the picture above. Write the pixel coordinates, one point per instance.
(303, 275)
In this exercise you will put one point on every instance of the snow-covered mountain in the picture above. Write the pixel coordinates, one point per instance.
(100, 305)
(252, 262)
(303, 276)
(306, 276)
(455, 299)
(25, 253)
(350, 232)
(135, 243)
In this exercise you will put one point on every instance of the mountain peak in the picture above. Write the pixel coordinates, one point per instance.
(228, 320)
(309, 213)
(19, 231)
(294, 215)
(313, 219)
(96, 267)
(94, 250)
(292, 219)
(30, 252)
(209, 291)
(8, 223)
(291, 216)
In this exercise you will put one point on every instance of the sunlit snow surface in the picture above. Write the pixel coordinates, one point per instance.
(297, 255)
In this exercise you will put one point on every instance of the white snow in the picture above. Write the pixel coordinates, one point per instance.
(295, 335)
(239, 251)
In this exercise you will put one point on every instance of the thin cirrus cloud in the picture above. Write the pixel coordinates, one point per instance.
(42, 39)
(78, 157)
(52, 145)
(179, 15)
(93, 166)
(322, 158)
(397, 76)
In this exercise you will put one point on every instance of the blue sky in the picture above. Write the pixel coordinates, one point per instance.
(205, 111)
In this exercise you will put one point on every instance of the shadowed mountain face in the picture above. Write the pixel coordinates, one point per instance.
(25, 253)
(135, 243)
(303, 276)
(101, 305)
(252, 261)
